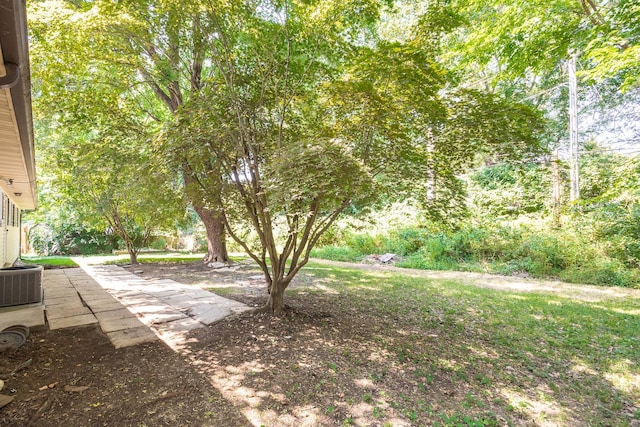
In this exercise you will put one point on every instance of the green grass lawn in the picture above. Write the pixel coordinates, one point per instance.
(50, 261)
(548, 359)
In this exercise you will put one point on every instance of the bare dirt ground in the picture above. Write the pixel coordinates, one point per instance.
(324, 364)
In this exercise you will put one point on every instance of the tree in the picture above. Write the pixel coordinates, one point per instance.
(256, 137)
(154, 51)
(57, 227)
(518, 44)
(111, 177)
(98, 141)
(613, 52)
(300, 118)
(413, 122)
(519, 38)
(279, 114)
(133, 199)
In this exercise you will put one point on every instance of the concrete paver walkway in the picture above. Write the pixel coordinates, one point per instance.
(130, 310)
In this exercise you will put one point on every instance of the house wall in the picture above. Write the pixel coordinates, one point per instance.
(9, 231)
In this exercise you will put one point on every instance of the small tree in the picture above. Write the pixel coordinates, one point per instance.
(256, 136)
(288, 192)
(98, 123)
(115, 186)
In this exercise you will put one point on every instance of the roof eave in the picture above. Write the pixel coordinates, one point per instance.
(15, 50)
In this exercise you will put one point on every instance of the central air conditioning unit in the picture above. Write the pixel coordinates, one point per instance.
(20, 285)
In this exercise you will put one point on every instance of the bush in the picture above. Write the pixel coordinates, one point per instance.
(622, 229)
(609, 272)
(542, 254)
(420, 262)
(158, 243)
(363, 244)
(416, 261)
(336, 253)
(404, 241)
(70, 239)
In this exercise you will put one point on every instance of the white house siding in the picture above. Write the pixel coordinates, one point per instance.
(9, 231)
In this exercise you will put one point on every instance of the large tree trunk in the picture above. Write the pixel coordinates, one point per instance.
(216, 241)
(213, 223)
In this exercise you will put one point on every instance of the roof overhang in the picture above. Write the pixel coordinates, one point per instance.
(17, 154)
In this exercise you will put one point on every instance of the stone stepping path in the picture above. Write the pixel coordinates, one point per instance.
(170, 308)
(129, 309)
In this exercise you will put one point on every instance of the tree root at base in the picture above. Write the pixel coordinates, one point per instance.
(266, 309)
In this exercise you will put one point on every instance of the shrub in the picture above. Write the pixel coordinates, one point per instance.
(623, 230)
(70, 239)
(404, 241)
(610, 272)
(158, 243)
(542, 253)
(336, 253)
(429, 257)
(598, 244)
(363, 244)
(416, 261)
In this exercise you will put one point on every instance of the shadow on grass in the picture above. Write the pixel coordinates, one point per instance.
(366, 348)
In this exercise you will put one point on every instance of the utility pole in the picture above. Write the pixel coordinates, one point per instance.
(556, 188)
(431, 169)
(573, 128)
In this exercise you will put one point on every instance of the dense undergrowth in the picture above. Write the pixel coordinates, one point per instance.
(510, 227)
(520, 249)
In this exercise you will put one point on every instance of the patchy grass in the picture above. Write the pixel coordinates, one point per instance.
(404, 350)
(164, 257)
(50, 261)
(181, 258)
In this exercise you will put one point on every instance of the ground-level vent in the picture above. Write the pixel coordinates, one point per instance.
(20, 285)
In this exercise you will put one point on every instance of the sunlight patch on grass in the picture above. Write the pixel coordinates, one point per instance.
(622, 378)
(308, 413)
(369, 288)
(379, 356)
(580, 368)
(631, 312)
(224, 289)
(251, 401)
(364, 383)
(483, 353)
(327, 289)
(448, 365)
(544, 412)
